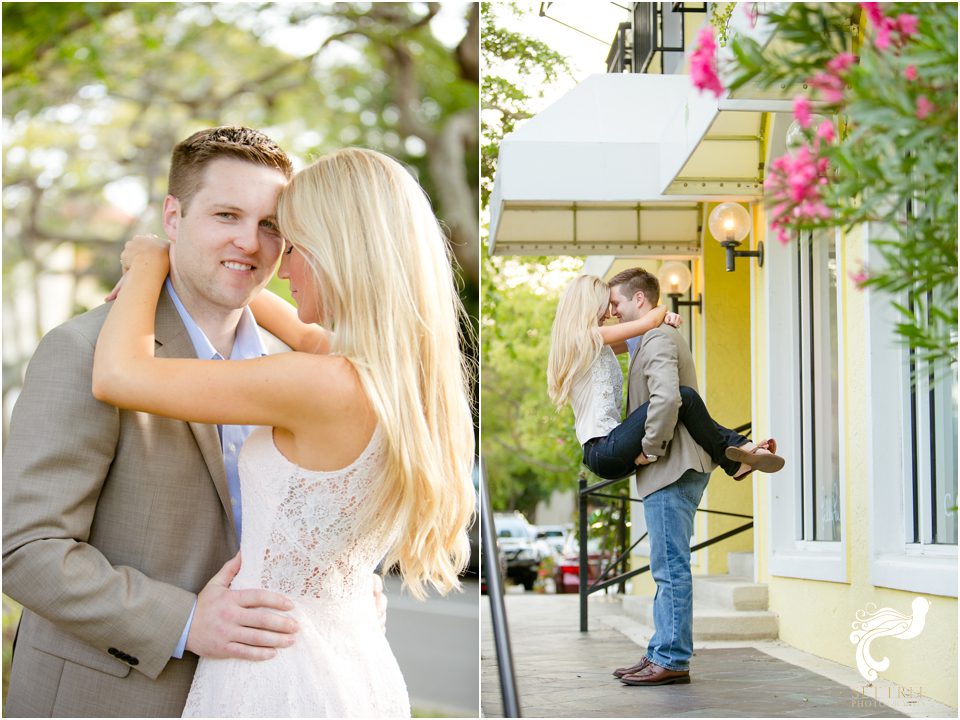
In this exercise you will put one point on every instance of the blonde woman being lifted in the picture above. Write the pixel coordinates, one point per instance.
(583, 370)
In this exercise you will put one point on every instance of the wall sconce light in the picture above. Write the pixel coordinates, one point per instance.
(796, 137)
(730, 223)
(675, 280)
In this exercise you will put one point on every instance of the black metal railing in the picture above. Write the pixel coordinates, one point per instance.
(654, 28)
(618, 59)
(498, 613)
(604, 579)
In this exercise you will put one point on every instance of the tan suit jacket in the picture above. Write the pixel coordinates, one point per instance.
(659, 366)
(112, 522)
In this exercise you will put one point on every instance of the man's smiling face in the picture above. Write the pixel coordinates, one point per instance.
(226, 245)
(625, 308)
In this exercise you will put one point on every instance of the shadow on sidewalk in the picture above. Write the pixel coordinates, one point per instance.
(562, 672)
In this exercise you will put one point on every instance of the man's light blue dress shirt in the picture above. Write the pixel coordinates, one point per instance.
(246, 346)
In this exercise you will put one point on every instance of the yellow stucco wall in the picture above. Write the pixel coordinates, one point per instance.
(761, 418)
(816, 616)
(726, 386)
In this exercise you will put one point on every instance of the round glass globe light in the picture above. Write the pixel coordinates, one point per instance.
(797, 136)
(674, 278)
(729, 222)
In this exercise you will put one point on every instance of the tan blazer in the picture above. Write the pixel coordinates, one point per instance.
(112, 521)
(659, 366)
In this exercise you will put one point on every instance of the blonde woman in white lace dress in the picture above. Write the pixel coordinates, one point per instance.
(367, 445)
(583, 370)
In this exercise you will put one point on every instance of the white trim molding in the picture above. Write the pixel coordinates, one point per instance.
(791, 555)
(895, 561)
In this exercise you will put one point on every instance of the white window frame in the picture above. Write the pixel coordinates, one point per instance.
(894, 562)
(788, 556)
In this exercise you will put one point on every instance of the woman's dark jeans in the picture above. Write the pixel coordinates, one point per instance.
(615, 455)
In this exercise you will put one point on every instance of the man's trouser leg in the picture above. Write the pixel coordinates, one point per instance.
(669, 513)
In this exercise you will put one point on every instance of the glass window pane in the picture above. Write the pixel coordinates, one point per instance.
(827, 483)
(944, 394)
(819, 386)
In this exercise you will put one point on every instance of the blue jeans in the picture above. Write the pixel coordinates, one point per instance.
(669, 513)
(614, 456)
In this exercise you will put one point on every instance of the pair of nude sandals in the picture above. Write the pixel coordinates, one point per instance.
(768, 462)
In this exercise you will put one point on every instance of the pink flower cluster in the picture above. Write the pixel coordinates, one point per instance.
(905, 25)
(859, 276)
(924, 107)
(830, 82)
(796, 183)
(703, 63)
(801, 111)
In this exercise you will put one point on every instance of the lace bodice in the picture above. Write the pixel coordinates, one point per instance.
(597, 397)
(302, 537)
(300, 529)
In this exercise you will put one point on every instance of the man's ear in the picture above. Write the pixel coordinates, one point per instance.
(640, 299)
(171, 217)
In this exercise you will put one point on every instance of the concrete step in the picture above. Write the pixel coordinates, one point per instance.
(730, 592)
(740, 563)
(711, 622)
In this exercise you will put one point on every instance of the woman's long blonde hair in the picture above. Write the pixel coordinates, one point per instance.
(386, 289)
(575, 337)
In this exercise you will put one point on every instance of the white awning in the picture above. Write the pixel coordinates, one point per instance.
(583, 178)
(714, 147)
(712, 154)
(622, 164)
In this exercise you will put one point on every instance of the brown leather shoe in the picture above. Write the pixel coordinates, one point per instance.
(620, 672)
(653, 674)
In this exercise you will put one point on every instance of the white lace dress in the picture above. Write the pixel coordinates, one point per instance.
(300, 538)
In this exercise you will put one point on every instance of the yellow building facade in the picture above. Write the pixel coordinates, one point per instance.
(888, 491)
(861, 522)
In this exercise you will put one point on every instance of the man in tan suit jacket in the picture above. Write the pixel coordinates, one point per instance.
(671, 477)
(114, 522)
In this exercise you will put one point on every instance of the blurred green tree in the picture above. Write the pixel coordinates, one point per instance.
(516, 70)
(95, 95)
(529, 449)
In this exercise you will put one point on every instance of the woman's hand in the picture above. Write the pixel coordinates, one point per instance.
(673, 320)
(144, 246)
(141, 246)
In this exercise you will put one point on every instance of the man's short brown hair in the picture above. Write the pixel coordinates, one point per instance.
(637, 280)
(191, 157)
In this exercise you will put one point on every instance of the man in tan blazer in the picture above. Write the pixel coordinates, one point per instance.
(672, 475)
(114, 522)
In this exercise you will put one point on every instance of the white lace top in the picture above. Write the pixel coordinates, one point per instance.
(597, 397)
(302, 538)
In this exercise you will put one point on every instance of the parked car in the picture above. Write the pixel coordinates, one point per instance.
(567, 574)
(474, 567)
(521, 548)
(555, 536)
(501, 566)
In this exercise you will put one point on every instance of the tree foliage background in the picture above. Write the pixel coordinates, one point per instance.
(95, 96)
(529, 449)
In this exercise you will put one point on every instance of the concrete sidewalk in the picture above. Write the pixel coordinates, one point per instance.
(562, 672)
